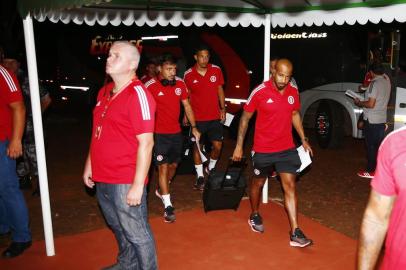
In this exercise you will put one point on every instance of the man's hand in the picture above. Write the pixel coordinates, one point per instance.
(134, 195)
(196, 134)
(14, 149)
(357, 102)
(307, 147)
(87, 173)
(222, 116)
(237, 154)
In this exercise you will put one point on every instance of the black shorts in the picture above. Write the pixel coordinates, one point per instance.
(213, 129)
(287, 161)
(168, 148)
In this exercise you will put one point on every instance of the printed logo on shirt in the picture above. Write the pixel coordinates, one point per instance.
(270, 100)
(160, 94)
(159, 158)
(257, 172)
(213, 78)
(195, 81)
(178, 91)
(291, 100)
(98, 103)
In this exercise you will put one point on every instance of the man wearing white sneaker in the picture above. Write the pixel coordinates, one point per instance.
(375, 106)
(169, 92)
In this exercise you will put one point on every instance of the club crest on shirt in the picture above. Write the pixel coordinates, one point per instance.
(213, 78)
(159, 158)
(291, 100)
(257, 172)
(178, 91)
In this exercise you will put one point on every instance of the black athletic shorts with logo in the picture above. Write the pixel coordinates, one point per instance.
(213, 129)
(286, 161)
(168, 148)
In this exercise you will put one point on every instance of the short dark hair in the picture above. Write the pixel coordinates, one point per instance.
(202, 47)
(377, 68)
(274, 58)
(167, 58)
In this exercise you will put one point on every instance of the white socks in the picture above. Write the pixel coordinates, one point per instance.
(166, 199)
(199, 170)
(212, 164)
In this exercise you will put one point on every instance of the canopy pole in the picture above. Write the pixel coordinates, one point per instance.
(38, 132)
(267, 53)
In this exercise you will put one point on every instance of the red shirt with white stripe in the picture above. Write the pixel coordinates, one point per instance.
(273, 127)
(167, 100)
(116, 123)
(9, 92)
(390, 180)
(203, 91)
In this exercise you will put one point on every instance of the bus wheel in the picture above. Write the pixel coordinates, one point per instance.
(329, 124)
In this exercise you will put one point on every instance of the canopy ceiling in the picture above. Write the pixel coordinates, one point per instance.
(215, 12)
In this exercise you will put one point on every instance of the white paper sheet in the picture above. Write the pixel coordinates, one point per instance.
(202, 156)
(304, 158)
(354, 95)
(229, 119)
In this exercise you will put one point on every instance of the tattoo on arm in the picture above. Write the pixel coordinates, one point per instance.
(242, 128)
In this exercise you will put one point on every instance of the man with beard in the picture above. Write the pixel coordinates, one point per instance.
(277, 105)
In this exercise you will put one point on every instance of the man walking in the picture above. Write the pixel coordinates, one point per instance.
(375, 107)
(205, 83)
(169, 91)
(120, 155)
(13, 211)
(277, 105)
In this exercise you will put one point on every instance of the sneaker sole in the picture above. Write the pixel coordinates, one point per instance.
(365, 176)
(169, 221)
(253, 229)
(296, 244)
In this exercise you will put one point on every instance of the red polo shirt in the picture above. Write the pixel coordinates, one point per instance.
(9, 92)
(114, 144)
(273, 127)
(203, 91)
(167, 100)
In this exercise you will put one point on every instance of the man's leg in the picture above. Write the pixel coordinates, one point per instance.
(215, 154)
(134, 221)
(377, 135)
(15, 213)
(126, 257)
(289, 188)
(369, 143)
(164, 170)
(297, 237)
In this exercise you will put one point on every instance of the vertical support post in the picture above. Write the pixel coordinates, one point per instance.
(38, 133)
(267, 57)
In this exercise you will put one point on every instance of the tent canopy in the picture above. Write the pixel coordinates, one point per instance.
(215, 12)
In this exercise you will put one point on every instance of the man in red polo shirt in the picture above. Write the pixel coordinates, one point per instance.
(205, 84)
(277, 105)
(13, 211)
(385, 214)
(120, 156)
(169, 91)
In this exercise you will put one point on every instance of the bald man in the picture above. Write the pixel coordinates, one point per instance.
(120, 156)
(277, 105)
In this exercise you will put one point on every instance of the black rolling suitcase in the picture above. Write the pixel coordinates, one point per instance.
(224, 190)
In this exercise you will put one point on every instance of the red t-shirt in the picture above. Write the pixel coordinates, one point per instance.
(273, 127)
(390, 180)
(9, 92)
(114, 144)
(203, 91)
(167, 100)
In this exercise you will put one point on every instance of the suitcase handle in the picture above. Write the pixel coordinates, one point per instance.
(234, 164)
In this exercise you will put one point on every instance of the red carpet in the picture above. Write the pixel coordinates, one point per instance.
(216, 240)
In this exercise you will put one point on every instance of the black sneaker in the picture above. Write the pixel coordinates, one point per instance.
(255, 222)
(169, 214)
(199, 184)
(298, 239)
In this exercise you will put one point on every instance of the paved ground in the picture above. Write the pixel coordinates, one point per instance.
(329, 193)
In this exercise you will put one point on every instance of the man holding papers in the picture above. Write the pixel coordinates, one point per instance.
(375, 106)
(277, 105)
